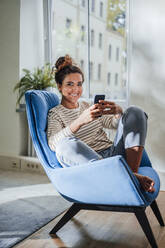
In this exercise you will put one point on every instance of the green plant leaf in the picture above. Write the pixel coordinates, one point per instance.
(38, 79)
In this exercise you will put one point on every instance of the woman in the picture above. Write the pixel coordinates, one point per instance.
(75, 129)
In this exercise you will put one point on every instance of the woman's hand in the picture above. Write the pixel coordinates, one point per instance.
(90, 114)
(87, 116)
(110, 108)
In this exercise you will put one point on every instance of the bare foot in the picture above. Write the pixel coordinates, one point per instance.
(146, 182)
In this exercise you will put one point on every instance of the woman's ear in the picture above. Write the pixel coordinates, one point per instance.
(59, 87)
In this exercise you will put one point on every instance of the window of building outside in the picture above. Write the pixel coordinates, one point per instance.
(92, 38)
(117, 53)
(82, 33)
(76, 31)
(82, 65)
(91, 70)
(109, 52)
(99, 72)
(100, 40)
(83, 3)
(109, 78)
(101, 9)
(92, 5)
(116, 79)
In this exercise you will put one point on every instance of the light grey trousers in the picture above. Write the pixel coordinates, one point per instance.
(131, 131)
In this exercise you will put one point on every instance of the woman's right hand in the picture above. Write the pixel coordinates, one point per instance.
(87, 116)
(90, 114)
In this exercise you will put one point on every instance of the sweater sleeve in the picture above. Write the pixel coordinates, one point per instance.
(56, 130)
(110, 121)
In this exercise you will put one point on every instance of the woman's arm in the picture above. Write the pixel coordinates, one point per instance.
(57, 130)
(87, 116)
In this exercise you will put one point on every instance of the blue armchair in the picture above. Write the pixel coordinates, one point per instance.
(104, 185)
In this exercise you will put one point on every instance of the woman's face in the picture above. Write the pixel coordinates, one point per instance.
(71, 88)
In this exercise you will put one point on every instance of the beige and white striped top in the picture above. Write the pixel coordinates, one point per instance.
(60, 118)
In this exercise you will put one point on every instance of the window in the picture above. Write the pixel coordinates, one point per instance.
(109, 78)
(100, 40)
(93, 42)
(93, 5)
(83, 3)
(101, 9)
(91, 70)
(117, 54)
(82, 33)
(68, 27)
(68, 23)
(82, 65)
(92, 37)
(116, 79)
(99, 71)
(109, 52)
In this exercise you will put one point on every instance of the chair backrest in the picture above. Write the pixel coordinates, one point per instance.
(38, 103)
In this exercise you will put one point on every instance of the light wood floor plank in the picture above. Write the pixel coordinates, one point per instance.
(92, 229)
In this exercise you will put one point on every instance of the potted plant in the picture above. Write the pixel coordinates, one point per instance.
(39, 79)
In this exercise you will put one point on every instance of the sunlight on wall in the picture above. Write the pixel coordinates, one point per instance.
(148, 74)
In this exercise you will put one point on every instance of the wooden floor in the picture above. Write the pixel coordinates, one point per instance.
(92, 229)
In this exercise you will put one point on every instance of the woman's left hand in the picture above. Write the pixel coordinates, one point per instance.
(110, 108)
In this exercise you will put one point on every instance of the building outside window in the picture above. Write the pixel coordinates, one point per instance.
(74, 31)
(100, 40)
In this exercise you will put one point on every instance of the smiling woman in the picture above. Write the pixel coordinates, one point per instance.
(69, 79)
(76, 129)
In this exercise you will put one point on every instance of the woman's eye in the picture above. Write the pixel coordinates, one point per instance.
(69, 84)
(79, 84)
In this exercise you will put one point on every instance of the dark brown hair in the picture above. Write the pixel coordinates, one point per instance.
(65, 66)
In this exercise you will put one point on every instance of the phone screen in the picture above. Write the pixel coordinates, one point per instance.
(98, 97)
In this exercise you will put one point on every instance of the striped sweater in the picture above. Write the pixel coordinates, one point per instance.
(93, 134)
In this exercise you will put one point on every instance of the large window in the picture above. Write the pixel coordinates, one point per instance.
(94, 34)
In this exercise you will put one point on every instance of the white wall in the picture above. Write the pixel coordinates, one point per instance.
(11, 129)
(21, 46)
(148, 73)
(31, 34)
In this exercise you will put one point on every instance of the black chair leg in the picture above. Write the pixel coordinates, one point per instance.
(143, 221)
(73, 210)
(157, 213)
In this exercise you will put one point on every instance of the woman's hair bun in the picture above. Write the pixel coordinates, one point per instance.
(63, 62)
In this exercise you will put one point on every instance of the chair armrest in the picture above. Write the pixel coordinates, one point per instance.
(105, 181)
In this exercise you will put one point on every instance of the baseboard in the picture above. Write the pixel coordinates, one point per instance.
(21, 163)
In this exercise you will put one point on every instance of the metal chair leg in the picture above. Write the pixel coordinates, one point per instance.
(143, 221)
(73, 210)
(157, 213)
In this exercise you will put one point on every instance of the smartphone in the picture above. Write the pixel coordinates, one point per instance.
(98, 97)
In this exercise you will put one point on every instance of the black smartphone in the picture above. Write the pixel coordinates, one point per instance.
(98, 97)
